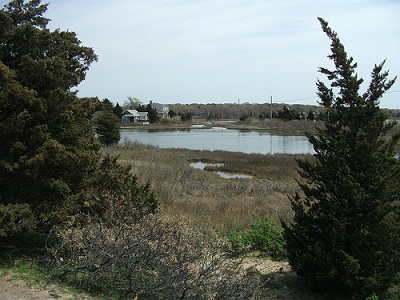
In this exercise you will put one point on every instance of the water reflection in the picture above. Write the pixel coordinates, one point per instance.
(202, 165)
(220, 138)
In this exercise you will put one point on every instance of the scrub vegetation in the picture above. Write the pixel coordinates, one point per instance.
(133, 221)
(207, 200)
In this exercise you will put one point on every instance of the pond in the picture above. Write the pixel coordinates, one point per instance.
(219, 138)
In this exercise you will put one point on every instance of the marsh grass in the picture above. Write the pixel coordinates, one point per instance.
(203, 198)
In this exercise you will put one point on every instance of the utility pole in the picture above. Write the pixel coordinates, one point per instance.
(271, 109)
(238, 109)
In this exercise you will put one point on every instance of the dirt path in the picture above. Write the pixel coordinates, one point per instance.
(281, 283)
(18, 289)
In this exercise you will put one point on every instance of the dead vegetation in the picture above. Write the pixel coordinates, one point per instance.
(149, 258)
(204, 199)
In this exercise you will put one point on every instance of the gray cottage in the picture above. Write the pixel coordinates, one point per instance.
(134, 116)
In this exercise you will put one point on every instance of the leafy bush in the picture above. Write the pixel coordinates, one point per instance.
(263, 236)
(372, 297)
(15, 218)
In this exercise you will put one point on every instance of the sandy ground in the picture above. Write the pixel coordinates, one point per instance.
(281, 285)
(19, 289)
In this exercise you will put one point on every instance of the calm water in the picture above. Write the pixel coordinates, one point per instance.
(202, 165)
(221, 139)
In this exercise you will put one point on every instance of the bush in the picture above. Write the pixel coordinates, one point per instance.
(15, 218)
(263, 236)
(145, 256)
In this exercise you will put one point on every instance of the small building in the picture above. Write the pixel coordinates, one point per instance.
(130, 116)
(162, 110)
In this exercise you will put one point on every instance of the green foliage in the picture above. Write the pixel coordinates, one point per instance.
(310, 116)
(288, 114)
(263, 236)
(345, 235)
(15, 218)
(244, 117)
(50, 166)
(108, 179)
(372, 297)
(186, 116)
(118, 111)
(108, 125)
(48, 148)
(152, 112)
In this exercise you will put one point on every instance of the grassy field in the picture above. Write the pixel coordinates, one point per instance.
(206, 200)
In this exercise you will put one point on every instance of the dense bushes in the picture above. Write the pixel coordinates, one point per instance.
(136, 255)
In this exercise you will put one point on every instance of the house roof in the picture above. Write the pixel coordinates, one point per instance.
(159, 107)
(131, 112)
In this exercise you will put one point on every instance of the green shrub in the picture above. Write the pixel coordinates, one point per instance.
(262, 236)
(372, 297)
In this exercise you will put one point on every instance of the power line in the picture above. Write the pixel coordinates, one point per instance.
(389, 92)
(314, 97)
(300, 99)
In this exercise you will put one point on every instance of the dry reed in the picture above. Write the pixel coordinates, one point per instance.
(203, 198)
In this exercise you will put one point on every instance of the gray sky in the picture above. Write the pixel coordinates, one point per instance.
(219, 51)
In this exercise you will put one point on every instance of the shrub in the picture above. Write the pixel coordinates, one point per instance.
(263, 236)
(15, 218)
(145, 256)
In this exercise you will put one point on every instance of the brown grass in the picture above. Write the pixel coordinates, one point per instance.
(206, 200)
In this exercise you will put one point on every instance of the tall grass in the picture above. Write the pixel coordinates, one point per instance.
(206, 200)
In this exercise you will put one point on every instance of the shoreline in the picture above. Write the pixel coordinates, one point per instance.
(298, 127)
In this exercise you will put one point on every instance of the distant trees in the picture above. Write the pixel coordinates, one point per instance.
(345, 234)
(131, 103)
(287, 114)
(186, 116)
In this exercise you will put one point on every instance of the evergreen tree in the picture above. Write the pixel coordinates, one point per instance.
(153, 114)
(310, 116)
(345, 234)
(108, 126)
(50, 165)
(118, 110)
(47, 144)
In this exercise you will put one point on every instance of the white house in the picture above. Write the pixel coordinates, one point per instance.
(134, 116)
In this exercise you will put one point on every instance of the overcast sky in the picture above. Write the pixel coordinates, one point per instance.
(219, 51)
